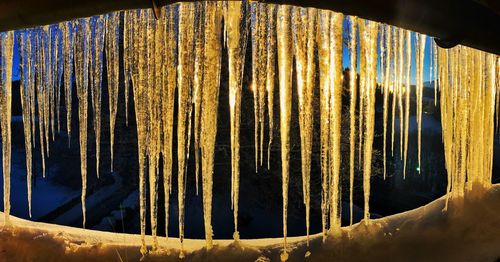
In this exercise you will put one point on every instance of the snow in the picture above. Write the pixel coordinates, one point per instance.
(468, 231)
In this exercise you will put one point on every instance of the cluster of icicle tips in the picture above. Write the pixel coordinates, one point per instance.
(180, 54)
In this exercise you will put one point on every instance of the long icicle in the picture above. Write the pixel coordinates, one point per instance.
(155, 81)
(259, 59)
(400, 89)
(47, 83)
(40, 86)
(236, 42)
(184, 82)
(395, 44)
(386, 88)
(128, 45)
(53, 41)
(368, 72)
(112, 65)
(26, 91)
(324, 85)
(199, 52)
(210, 102)
(139, 84)
(6, 50)
(304, 40)
(82, 42)
(271, 67)
(352, 110)
(97, 44)
(285, 84)
(420, 87)
(168, 97)
(336, 90)
(407, 98)
(68, 28)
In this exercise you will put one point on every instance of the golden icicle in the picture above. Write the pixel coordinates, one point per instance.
(199, 52)
(386, 88)
(139, 84)
(420, 87)
(236, 42)
(324, 85)
(184, 82)
(271, 60)
(112, 62)
(26, 92)
(407, 98)
(368, 46)
(303, 47)
(285, 79)
(167, 101)
(97, 44)
(352, 110)
(82, 56)
(6, 52)
(336, 89)
(210, 102)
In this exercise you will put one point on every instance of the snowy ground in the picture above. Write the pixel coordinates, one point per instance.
(468, 231)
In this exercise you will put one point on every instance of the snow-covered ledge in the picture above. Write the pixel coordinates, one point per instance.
(469, 231)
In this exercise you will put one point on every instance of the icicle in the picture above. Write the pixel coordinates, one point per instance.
(435, 69)
(467, 85)
(128, 45)
(53, 67)
(199, 53)
(82, 52)
(261, 87)
(112, 65)
(68, 28)
(387, 82)
(60, 71)
(46, 80)
(270, 69)
(498, 96)
(97, 44)
(335, 116)
(139, 84)
(400, 89)
(304, 41)
(168, 97)
(352, 110)
(259, 60)
(420, 87)
(6, 50)
(407, 99)
(368, 73)
(184, 82)
(210, 102)
(26, 91)
(285, 84)
(395, 83)
(324, 85)
(31, 82)
(236, 42)
(155, 82)
(40, 90)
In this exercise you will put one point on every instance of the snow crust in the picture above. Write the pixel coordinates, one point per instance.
(468, 231)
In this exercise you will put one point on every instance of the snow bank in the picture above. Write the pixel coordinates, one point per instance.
(468, 231)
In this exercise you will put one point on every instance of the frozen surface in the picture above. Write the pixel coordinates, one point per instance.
(468, 231)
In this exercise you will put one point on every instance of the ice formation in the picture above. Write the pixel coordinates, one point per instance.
(236, 43)
(6, 50)
(179, 54)
(97, 46)
(82, 58)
